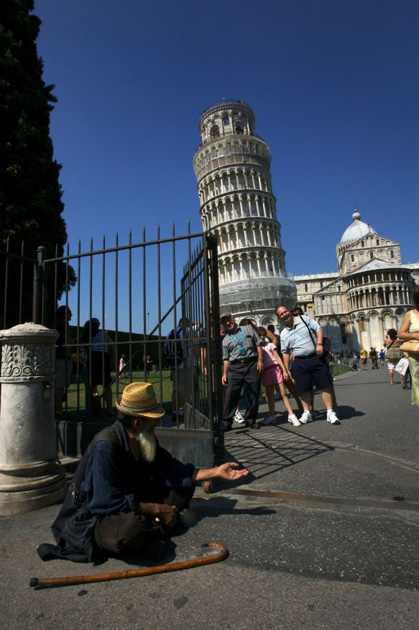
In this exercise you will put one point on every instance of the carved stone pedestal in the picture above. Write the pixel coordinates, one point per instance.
(30, 475)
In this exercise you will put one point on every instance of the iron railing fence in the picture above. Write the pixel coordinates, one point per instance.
(17, 274)
(138, 291)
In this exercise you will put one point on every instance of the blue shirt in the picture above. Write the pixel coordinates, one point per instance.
(297, 339)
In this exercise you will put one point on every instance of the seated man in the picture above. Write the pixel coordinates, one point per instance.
(127, 492)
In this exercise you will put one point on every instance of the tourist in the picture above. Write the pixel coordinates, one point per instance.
(373, 358)
(303, 337)
(242, 363)
(100, 350)
(364, 358)
(393, 353)
(409, 331)
(274, 375)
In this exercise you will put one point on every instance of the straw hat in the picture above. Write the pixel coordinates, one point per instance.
(139, 399)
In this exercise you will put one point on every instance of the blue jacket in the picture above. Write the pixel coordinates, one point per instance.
(110, 480)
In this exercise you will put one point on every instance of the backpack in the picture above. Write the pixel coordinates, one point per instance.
(173, 348)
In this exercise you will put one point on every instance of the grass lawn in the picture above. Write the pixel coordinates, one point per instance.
(76, 400)
(339, 369)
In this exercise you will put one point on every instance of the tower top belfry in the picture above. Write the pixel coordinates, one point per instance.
(237, 205)
(226, 117)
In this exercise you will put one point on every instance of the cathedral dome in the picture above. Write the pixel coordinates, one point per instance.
(357, 229)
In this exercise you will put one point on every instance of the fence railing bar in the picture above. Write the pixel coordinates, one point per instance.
(144, 307)
(130, 301)
(159, 310)
(116, 309)
(6, 282)
(22, 251)
(103, 315)
(78, 322)
(110, 250)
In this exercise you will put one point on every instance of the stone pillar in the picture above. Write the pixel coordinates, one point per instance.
(30, 475)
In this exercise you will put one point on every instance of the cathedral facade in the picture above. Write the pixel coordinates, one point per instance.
(368, 294)
(356, 305)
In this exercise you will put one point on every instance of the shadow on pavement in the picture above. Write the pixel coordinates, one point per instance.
(268, 451)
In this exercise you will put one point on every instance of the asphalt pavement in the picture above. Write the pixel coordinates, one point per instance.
(322, 534)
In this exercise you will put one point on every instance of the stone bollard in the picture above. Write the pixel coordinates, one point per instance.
(30, 475)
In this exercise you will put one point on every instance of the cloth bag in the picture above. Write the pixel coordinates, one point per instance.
(402, 366)
(394, 353)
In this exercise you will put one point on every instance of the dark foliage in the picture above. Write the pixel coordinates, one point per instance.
(30, 194)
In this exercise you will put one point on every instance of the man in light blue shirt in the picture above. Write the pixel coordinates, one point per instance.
(303, 338)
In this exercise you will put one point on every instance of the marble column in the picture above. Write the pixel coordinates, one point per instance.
(30, 475)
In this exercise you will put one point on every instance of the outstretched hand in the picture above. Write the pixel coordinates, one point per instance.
(229, 471)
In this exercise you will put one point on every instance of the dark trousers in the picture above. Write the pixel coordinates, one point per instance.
(238, 374)
(130, 532)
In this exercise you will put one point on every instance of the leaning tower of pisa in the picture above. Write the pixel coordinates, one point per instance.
(232, 167)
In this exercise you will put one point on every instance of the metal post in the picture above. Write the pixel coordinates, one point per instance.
(38, 285)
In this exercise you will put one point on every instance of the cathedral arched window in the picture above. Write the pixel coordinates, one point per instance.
(391, 253)
(352, 258)
(371, 255)
(226, 121)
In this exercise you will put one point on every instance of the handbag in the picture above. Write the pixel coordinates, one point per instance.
(393, 353)
(410, 346)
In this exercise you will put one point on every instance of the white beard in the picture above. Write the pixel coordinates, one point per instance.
(148, 444)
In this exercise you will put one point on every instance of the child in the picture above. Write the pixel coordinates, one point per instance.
(273, 374)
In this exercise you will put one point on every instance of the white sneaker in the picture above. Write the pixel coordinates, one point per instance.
(269, 420)
(332, 418)
(294, 420)
(306, 417)
(238, 418)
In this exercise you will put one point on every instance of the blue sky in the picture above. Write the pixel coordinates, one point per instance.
(333, 84)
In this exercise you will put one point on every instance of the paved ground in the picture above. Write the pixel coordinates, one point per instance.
(323, 534)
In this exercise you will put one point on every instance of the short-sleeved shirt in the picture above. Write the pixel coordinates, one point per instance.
(245, 337)
(298, 339)
(268, 354)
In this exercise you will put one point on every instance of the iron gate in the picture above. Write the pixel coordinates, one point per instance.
(139, 292)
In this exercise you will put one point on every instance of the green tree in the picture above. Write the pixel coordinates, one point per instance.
(30, 193)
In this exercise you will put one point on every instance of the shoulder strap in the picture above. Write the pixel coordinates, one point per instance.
(309, 330)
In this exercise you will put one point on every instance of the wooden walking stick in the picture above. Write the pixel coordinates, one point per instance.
(211, 552)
